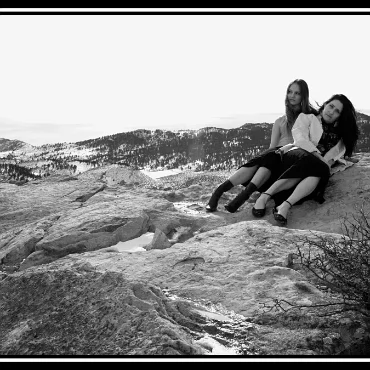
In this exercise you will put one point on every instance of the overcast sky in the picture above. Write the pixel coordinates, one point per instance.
(65, 78)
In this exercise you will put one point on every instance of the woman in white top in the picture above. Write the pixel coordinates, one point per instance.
(261, 171)
(319, 141)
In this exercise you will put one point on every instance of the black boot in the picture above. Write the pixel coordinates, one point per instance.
(241, 198)
(212, 204)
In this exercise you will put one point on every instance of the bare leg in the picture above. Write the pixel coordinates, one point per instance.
(242, 175)
(304, 188)
(279, 185)
(259, 178)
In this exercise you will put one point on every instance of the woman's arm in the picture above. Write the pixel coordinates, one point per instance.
(275, 134)
(301, 133)
(336, 152)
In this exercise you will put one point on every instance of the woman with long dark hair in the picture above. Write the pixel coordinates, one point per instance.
(259, 172)
(319, 141)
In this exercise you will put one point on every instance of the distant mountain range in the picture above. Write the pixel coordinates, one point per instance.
(208, 148)
(10, 145)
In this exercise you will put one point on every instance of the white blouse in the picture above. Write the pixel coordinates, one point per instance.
(307, 131)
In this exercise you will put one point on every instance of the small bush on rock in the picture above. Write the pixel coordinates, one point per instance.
(343, 266)
(341, 269)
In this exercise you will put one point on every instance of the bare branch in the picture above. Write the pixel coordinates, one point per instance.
(343, 265)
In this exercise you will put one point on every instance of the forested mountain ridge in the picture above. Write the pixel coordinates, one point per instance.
(209, 148)
(9, 145)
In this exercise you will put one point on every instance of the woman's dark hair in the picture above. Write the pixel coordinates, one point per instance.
(347, 123)
(305, 107)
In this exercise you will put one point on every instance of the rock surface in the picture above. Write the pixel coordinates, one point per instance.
(198, 289)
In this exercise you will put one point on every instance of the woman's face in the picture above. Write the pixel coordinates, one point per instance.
(332, 111)
(294, 94)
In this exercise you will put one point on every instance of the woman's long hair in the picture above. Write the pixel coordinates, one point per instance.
(305, 106)
(347, 122)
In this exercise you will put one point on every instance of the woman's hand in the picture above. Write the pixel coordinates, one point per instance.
(330, 162)
(318, 155)
(284, 149)
(353, 160)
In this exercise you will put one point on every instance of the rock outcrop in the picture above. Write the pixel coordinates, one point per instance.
(201, 287)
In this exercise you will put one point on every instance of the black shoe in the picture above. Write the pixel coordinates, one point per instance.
(210, 209)
(259, 212)
(213, 202)
(230, 209)
(241, 198)
(282, 221)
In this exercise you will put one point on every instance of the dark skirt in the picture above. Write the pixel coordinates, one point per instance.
(270, 160)
(299, 163)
